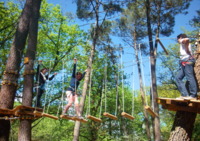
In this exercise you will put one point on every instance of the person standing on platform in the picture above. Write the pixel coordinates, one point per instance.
(186, 70)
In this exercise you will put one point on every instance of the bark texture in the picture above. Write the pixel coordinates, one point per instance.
(183, 126)
(25, 124)
(7, 94)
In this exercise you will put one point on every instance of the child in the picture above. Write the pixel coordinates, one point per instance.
(71, 93)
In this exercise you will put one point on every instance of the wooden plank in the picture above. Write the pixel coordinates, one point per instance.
(49, 116)
(79, 119)
(67, 117)
(22, 107)
(94, 118)
(40, 114)
(110, 116)
(22, 113)
(150, 111)
(126, 115)
(6, 112)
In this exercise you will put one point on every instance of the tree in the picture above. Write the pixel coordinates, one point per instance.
(9, 16)
(7, 93)
(91, 10)
(133, 30)
(25, 125)
(159, 13)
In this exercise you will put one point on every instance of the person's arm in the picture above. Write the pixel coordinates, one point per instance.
(83, 75)
(74, 68)
(52, 76)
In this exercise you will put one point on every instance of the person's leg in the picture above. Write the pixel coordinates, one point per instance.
(180, 84)
(189, 73)
(76, 104)
(70, 99)
(38, 97)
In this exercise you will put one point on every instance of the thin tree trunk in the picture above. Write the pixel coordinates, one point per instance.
(87, 77)
(156, 120)
(25, 125)
(183, 126)
(84, 92)
(7, 94)
(143, 97)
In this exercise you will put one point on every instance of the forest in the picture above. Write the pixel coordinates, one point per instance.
(38, 34)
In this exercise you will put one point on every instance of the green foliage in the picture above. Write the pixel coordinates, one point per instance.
(57, 35)
(9, 14)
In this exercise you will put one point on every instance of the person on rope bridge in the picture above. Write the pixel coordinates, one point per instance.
(71, 93)
(186, 69)
(41, 77)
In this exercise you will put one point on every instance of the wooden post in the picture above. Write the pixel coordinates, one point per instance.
(158, 40)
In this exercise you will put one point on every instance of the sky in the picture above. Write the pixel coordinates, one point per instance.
(181, 22)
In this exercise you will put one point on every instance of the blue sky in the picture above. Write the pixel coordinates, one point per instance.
(181, 22)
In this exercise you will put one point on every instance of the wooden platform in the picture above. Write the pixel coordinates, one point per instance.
(173, 104)
(21, 111)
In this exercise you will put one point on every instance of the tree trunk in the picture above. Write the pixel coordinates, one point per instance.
(25, 124)
(143, 96)
(7, 94)
(87, 76)
(84, 92)
(197, 65)
(156, 120)
(183, 126)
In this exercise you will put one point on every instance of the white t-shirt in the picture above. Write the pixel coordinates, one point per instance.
(183, 53)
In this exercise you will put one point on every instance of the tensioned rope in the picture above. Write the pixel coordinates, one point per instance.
(117, 92)
(105, 85)
(63, 89)
(122, 82)
(142, 69)
(88, 108)
(151, 85)
(133, 95)
(47, 94)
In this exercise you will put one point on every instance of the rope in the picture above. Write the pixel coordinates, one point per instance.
(63, 90)
(122, 83)
(105, 86)
(101, 104)
(142, 69)
(46, 94)
(151, 85)
(133, 96)
(88, 110)
(117, 92)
